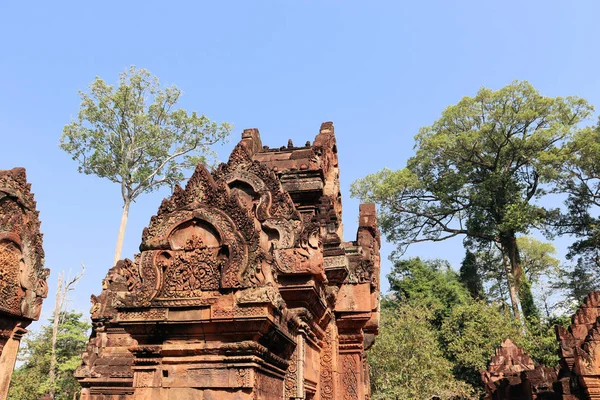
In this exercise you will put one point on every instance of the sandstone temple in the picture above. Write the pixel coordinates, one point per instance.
(22, 273)
(243, 288)
(513, 375)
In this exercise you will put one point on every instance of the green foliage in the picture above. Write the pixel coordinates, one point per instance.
(578, 281)
(430, 283)
(478, 171)
(471, 334)
(580, 180)
(30, 380)
(132, 135)
(537, 258)
(429, 305)
(540, 341)
(470, 276)
(477, 168)
(406, 361)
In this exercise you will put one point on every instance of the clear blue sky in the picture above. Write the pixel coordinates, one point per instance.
(379, 70)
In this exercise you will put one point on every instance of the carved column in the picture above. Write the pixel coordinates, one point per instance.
(9, 357)
(350, 367)
(329, 364)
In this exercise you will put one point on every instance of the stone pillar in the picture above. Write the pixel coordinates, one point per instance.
(8, 359)
(329, 364)
(350, 367)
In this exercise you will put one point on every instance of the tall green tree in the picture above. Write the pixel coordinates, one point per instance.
(470, 335)
(432, 284)
(470, 276)
(477, 173)
(31, 379)
(406, 361)
(133, 135)
(580, 180)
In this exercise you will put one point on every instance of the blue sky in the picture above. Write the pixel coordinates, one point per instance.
(379, 70)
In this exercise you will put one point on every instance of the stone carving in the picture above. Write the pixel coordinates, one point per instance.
(327, 370)
(231, 296)
(23, 277)
(578, 377)
(512, 374)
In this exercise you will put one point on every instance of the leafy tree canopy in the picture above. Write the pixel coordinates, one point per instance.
(477, 168)
(430, 283)
(406, 361)
(477, 172)
(132, 135)
(31, 379)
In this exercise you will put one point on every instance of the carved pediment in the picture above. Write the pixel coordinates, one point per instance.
(22, 275)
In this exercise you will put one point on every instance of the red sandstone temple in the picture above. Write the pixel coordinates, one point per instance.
(22, 274)
(513, 375)
(244, 288)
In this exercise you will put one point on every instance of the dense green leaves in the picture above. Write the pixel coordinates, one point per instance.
(470, 335)
(406, 361)
(31, 380)
(471, 276)
(477, 172)
(430, 283)
(132, 135)
(435, 338)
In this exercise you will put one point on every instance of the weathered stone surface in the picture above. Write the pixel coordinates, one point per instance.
(513, 375)
(244, 288)
(22, 274)
(579, 374)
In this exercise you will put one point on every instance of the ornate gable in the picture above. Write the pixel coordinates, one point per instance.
(235, 291)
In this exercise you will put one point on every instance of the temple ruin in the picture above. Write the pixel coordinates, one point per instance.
(244, 288)
(22, 274)
(512, 375)
(579, 374)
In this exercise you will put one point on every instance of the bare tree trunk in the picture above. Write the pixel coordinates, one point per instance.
(512, 290)
(61, 295)
(122, 227)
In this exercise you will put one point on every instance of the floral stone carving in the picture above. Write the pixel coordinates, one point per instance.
(235, 292)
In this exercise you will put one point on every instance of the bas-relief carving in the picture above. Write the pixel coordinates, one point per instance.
(22, 274)
(512, 374)
(232, 275)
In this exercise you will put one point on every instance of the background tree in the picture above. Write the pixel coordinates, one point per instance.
(540, 268)
(133, 136)
(470, 276)
(461, 336)
(580, 181)
(431, 284)
(576, 282)
(406, 361)
(470, 335)
(477, 172)
(65, 285)
(31, 379)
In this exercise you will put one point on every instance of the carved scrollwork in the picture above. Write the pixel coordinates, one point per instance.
(22, 276)
(142, 279)
(191, 271)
